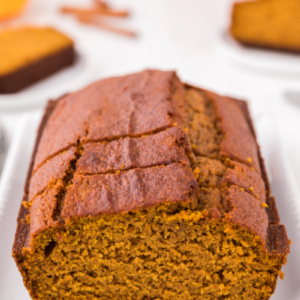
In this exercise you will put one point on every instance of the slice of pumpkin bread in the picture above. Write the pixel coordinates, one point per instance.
(31, 53)
(142, 187)
(267, 23)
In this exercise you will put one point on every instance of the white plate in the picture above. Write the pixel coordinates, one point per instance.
(11, 191)
(68, 79)
(256, 58)
(285, 190)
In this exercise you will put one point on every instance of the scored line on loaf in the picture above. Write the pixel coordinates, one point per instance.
(170, 103)
(119, 109)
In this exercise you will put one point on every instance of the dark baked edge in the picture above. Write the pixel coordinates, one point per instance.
(261, 46)
(272, 211)
(37, 70)
(278, 241)
(22, 226)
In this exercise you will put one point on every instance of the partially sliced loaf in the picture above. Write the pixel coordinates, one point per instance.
(142, 187)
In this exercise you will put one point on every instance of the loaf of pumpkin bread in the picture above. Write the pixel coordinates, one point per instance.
(142, 187)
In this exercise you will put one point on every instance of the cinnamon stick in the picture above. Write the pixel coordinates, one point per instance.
(95, 11)
(103, 25)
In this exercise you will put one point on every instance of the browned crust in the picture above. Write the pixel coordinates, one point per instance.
(238, 143)
(267, 47)
(55, 169)
(163, 148)
(272, 209)
(35, 71)
(243, 207)
(107, 194)
(278, 243)
(117, 101)
(23, 227)
(275, 230)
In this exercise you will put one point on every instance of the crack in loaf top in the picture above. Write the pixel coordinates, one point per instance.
(117, 107)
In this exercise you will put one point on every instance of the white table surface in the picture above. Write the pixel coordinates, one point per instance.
(180, 35)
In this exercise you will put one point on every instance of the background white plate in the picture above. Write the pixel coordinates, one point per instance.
(261, 59)
(11, 191)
